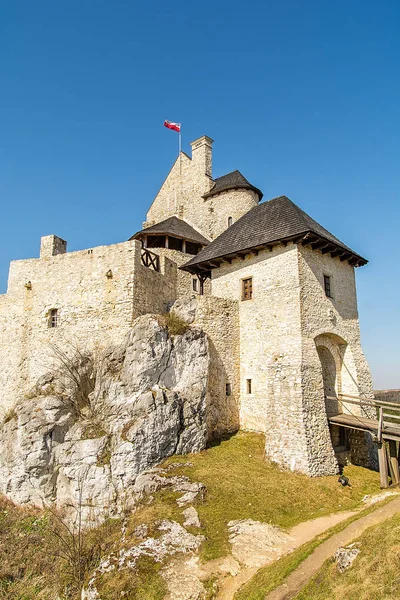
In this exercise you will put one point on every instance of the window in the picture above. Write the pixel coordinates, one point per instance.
(328, 286)
(195, 285)
(228, 389)
(175, 243)
(248, 386)
(247, 288)
(230, 221)
(53, 318)
(192, 248)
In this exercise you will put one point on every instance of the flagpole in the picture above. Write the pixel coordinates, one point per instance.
(179, 149)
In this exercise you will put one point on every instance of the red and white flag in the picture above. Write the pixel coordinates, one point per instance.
(174, 126)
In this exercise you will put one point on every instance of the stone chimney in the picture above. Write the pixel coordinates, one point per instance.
(202, 155)
(51, 245)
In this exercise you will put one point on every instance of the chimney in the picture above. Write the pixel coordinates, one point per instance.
(50, 245)
(202, 155)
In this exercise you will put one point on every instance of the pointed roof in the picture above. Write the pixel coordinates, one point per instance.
(278, 220)
(174, 227)
(231, 181)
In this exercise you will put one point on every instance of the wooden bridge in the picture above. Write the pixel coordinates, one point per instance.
(379, 418)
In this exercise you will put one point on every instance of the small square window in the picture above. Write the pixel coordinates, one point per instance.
(328, 286)
(247, 288)
(248, 386)
(53, 318)
(195, 285)
(228, 389)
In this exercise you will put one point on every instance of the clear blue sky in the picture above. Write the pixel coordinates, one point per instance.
(302, 97)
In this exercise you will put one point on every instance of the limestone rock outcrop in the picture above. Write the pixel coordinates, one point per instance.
(144, 401)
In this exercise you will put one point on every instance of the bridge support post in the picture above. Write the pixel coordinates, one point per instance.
(383, 465)
(394, 462)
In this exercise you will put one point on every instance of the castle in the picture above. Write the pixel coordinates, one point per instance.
(275, 293)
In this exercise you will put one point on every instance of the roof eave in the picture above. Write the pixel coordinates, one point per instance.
(320, 243)
(142, 233)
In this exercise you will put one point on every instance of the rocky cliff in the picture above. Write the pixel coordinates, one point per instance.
(96, 421)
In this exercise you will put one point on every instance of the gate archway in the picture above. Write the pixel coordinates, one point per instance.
(330, 380)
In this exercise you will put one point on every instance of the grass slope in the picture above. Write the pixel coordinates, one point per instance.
(241, 484)
(374, 575)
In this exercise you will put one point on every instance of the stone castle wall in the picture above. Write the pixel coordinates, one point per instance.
(97, 293)
(219, 318)
(331, 324)
(288, 318)
(270, 340)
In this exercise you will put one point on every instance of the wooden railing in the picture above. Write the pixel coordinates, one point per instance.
(387, 414)
(381, 419)
(150, 260)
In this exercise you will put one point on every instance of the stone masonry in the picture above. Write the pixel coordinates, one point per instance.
(273, 357)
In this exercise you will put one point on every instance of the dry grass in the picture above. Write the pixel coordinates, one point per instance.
(374, 575)
(174, 324)
(36, 561)
(9, 416)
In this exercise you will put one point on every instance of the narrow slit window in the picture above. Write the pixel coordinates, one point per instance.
(228, 389)
(247, 288)
(230, 221)
(328, 286)
(195, 285)
(248, 386)
(53, 318)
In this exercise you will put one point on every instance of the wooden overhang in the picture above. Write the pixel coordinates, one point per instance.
(310, 239)
(174, 227)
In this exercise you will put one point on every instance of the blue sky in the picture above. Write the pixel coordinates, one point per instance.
(302, 97)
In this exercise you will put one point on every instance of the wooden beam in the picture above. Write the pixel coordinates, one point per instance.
(336, 252)
(353, 261)
(327, 248)
(345, 256)
(298, 239)
(319, 244)
(383, 466)
(309, 239)
(394, 462)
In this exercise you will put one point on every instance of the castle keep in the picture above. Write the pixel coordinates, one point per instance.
(274, 291)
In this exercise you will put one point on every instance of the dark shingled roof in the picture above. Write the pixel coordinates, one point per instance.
(174, 227)
(269, 223)
(231, 181)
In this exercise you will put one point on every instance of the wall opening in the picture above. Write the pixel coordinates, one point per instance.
(53, 318)
(330, 381)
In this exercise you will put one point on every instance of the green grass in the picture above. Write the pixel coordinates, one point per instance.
(241, 484)
(374, 575)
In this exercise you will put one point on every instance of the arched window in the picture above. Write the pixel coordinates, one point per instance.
(230, 221)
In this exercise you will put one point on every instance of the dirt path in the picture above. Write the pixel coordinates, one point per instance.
(299, 535)
(308, 568)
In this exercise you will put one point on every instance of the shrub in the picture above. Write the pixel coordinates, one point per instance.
(174, 324)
